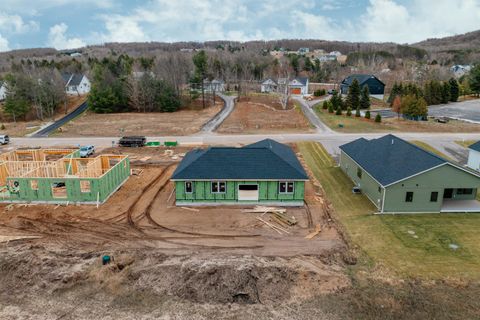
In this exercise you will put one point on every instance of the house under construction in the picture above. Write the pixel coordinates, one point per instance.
(60, 176)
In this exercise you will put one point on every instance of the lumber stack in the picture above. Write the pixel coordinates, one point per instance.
(280, 221)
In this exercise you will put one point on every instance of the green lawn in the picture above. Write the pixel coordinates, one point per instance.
(431, 149)
(409, 245)
(350, 124)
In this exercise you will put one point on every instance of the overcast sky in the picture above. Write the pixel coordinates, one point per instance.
(69, 24)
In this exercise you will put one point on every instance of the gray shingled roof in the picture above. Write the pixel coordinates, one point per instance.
(360, 77)
(264, 160)
(390, 159)
(302, 80)
(475, 146)
(72, 79)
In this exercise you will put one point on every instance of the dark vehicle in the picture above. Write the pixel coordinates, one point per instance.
(132, 141)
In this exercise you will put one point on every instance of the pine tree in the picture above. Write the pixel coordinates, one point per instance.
(445, 95)
(357, 112)
(365, 98)
(339, 112)
(330, 107)
(454, 89)
(378, 118)
(353, 96)
(367, 114)
(349, 112)
(325, 105)
(474, 79)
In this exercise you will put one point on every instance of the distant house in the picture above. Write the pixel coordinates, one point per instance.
(268, 86)
(266, 172)
(303, 50)
(327, 57)
(474, 156)
(375, 86)
(460, 70)
(299, 86)
(400, 177)
(216, 85)
(76, 84)
(3, 90)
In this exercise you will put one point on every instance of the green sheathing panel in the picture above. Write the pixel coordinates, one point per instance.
(101, 187)
(435, 180)
(369, 186)
(267, 192)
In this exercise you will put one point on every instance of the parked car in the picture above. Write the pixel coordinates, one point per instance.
(87, 151)
(4, 139)
(332, 91)
(132, 141)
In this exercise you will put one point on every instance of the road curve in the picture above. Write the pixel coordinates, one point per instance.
(57, 124)
(217, 120)
(312, 116)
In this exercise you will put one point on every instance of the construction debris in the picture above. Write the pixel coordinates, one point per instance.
(274, 227)
(311, 235)
(136, 172)
(145, 159)
(190, 209)
(262, 209)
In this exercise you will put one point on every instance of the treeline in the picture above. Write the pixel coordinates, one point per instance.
(40, 93)
(116, 88)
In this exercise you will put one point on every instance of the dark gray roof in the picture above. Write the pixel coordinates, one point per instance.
(264, 160)
(302, 80)
(360, 77)
(72, 79)
(390, 159)
(475, 146)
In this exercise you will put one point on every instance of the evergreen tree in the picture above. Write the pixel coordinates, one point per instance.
(325, 105)
(445, 96)
(349, 112)
(474, 80)
(353, 96)
(336, 100)
(367, 114)
(454, 90)
(378, 118)
(365, 98)
(339, 112)
(330, 107)
(357, 112)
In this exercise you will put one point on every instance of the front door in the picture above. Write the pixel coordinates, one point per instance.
(248, 192)
(447, 194)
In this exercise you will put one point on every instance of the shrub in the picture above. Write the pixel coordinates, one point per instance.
(378, 118)
(349, 112)
(339, 112)
(367, 114)
(319, 92)
(2, 127)
(330, 108)
(357, 112)
(325, 105)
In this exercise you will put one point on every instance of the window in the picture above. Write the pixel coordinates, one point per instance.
(34, 184)
(409, 197)
(465, 191)
(379, 189)
(434, 196)
(286, 187)
(219, 187)
(188, 187)
(359, 173)
(85, 186)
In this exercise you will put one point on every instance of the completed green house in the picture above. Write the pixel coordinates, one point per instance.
(266, 172)
(400, 177)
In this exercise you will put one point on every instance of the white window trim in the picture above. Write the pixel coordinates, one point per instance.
(218, 187)
(185, 186)
(286, 187)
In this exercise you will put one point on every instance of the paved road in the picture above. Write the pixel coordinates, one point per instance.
(57, 124)
(217, 120)
(465, 110)
(312, 116)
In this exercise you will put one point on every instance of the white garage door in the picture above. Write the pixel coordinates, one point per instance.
(248, 192)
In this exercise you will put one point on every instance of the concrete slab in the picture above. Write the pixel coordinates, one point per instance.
(461, 206)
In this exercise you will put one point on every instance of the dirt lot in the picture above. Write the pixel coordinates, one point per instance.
(21, 128)
(168, 260)
(264, 113)
(183, 122)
